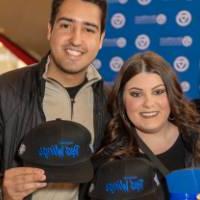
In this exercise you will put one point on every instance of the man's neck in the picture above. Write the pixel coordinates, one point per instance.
(66, 79)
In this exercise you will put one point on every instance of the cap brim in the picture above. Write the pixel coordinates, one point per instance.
(78, 173)
(147, 195)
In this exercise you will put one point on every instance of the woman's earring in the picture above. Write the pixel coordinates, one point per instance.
(171, 117)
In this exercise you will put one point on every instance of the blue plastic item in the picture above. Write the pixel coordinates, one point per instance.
(184, 184)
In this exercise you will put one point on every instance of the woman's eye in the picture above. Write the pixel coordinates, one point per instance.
(159, 92)
(135, 94)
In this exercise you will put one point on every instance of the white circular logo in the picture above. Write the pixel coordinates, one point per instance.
(142, 42)
(97, 63)
(144, 2)
(183, 18)
(187, 41)
(123, 1)
(181, 64)
(121, 42)
(118, 20)
(161, 19)
(116, 63)
(185, 86)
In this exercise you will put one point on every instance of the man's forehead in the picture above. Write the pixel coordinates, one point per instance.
(81, 16)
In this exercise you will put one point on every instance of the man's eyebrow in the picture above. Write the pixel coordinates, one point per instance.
(65, 19)
(92, 25)
(74, 21)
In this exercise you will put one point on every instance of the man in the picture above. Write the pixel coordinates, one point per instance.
(63, 85)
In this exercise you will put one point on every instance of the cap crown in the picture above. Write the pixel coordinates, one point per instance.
(56, 143)
(124, 179)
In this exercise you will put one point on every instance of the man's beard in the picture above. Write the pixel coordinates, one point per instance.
(66, 70)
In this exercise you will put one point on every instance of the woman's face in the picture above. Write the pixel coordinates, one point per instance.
(146, 102)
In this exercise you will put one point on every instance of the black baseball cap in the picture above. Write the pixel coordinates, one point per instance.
(127, 179)
(61, 148)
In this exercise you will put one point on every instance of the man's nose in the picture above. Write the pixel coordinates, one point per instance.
(76, 37)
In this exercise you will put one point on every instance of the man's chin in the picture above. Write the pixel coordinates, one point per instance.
(73, 71)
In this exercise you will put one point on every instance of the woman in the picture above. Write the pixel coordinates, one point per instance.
(149, 107)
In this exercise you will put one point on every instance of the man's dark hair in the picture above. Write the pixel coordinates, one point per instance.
(102, 4)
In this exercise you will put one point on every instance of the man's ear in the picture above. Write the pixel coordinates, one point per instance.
(49, 31)
(101, 40)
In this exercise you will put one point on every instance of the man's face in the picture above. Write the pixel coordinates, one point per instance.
(75, 37)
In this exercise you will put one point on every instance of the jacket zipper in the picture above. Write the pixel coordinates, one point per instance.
(72, 107)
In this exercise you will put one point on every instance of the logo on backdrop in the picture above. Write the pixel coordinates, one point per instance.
(181, 64)
(118, 20)
(123, 1)
(144, 2)
(142, 42)
(116, 63)
(159, 19)
(97, 63)
(185, 85)
(120, 42)
(183, 18)
(118, 1)
(185, 41)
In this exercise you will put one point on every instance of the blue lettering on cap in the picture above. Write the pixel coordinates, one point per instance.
(60, 150)
(125, 185)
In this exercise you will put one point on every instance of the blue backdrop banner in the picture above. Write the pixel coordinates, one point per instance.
(168, 27)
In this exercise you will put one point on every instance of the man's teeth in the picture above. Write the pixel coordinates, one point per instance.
(149, 114)
(73, 52)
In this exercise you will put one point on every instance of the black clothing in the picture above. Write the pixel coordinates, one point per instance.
(174, 158)
(72, 91)
(21, 96)
(185, 144)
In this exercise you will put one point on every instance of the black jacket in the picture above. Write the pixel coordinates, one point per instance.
(21, 96)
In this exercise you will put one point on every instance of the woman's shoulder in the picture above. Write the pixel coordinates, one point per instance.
(189, 139)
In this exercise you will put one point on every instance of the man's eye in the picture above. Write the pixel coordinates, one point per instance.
(135, 94)
(90, 30)
(159, 92)
(64, 26)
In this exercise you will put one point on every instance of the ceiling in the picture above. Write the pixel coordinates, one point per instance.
(25, 23)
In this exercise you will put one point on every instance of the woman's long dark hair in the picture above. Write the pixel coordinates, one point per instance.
(120, 140)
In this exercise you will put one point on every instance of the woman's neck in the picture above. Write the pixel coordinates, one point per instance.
(162, 140)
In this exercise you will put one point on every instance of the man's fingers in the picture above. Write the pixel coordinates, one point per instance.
(29, 178)
(24, 191)
(22, 181)
(20, 176)
(23, 170)
(26, 188)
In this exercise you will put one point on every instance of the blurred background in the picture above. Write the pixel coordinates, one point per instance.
(25, 23)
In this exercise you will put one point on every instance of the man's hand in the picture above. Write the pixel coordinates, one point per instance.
(22, 181)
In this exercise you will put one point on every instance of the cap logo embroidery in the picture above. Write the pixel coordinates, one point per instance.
(126, 184)
(61, 150)
(22, 149)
